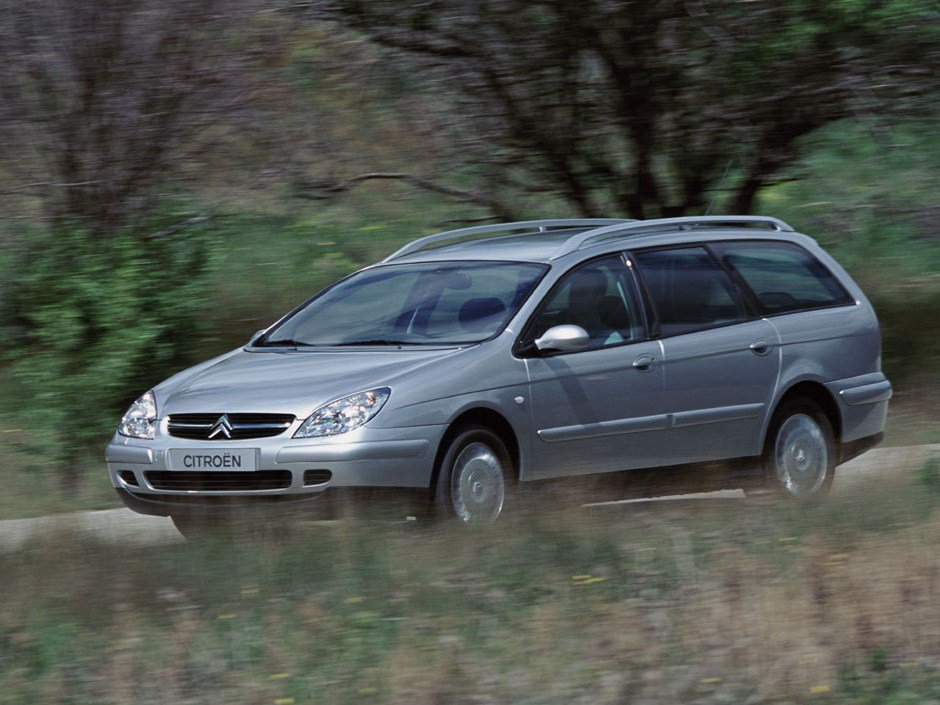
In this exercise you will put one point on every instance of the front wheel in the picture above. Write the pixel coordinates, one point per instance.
(800, 456)
(473, 481)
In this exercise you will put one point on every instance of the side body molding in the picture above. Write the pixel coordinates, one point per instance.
(658, 422)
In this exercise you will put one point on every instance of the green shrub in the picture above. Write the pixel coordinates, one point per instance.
(89, 323)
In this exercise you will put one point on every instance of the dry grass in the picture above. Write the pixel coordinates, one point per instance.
(696, 603)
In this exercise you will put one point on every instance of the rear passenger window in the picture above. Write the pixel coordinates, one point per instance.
(784, 277)
(689, 290)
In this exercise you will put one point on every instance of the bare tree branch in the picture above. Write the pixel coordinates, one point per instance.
(631, 106)
(104, 96)
(178, 227)
(320, 191)
(44, 185)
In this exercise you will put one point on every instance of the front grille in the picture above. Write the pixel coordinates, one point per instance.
(225, 427)
(184, 481)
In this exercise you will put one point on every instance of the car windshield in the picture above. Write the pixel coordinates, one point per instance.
(433, 303)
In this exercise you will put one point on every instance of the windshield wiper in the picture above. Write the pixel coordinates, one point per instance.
(284, 344)
(376, 341)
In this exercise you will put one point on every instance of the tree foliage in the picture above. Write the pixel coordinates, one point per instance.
(88, 324)
(640, 107)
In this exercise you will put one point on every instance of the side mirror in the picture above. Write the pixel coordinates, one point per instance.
(562, 339)
(257, 334)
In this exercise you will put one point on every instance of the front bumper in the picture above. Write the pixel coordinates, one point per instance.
(363, 458)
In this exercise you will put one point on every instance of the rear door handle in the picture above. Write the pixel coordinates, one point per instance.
(760, 347)
(643, 362)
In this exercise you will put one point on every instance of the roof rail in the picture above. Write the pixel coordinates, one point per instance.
(638, 227)
(521, 226)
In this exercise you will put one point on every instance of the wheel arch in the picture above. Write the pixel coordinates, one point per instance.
(816, 391)
(482, 416)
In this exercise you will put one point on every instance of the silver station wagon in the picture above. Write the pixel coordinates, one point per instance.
(473, 362)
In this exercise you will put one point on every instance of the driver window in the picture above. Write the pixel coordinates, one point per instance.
(597, 296)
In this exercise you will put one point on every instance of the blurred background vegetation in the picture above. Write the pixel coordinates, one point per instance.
(175, 175)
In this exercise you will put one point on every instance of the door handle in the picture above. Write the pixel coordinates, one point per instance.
(760, 347)
(643, 362)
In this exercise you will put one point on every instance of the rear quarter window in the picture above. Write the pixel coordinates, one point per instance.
(784, 277)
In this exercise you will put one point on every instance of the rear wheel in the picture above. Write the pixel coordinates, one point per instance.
(474, 477)
(800, 455)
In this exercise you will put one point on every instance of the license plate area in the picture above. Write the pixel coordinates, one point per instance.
(207, 460)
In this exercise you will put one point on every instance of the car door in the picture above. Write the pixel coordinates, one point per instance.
(597, 409)
(720, 362)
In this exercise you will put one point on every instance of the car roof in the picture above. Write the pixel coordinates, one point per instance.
(545, 245)
(526, 247)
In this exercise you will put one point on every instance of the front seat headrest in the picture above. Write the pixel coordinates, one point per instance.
(481, 313)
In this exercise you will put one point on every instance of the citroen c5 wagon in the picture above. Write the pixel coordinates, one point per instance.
(471, 362)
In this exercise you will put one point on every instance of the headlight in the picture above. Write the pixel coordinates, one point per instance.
(140, 421)
(344, 414)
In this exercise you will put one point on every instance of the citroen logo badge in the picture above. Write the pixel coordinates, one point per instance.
(222, 426)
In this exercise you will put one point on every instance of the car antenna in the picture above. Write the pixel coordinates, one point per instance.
(721, 182)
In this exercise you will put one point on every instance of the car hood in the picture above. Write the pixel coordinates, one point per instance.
(286, 381)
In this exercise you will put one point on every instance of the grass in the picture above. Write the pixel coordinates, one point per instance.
(914, 418)
(710, 603)
(32, 486)
(32, 483)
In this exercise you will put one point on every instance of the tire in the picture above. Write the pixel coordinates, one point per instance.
(474, 478)
(800, 454)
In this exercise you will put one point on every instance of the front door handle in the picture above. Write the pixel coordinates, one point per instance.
(643, 362)
(760, 347)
